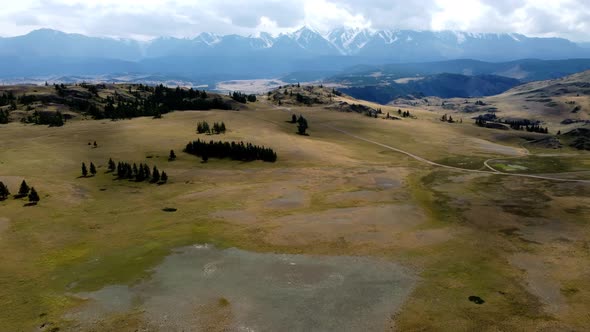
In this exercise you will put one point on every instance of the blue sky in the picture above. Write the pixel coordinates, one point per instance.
(147, 19)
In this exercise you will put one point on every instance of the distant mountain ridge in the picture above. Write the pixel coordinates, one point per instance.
(393, 45)
(209, 58)
(525, 70)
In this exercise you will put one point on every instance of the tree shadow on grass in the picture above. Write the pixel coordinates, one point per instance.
(30, 204)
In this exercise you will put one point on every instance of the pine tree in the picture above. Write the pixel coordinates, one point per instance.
(293, 118)
(301, 125)
(84, 170)
(164, 177)
(4, 192)
(33, 196)
(222, 128)
(172, 155)
(155, 175)
(92, 169)
(24, 189)
(112, 166)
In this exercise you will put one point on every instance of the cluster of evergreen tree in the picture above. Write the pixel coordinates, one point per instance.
(479, 121)
(137, 173)
(537, 129)
(449, 119)
(160, 100)
(53, 119)
(528, 125)
(85, 169)
(233, 150)
(242, 97)
(4, 116)
(404, 114)
(204, 128)
(60, 89)
(306, 100)
(7, 98)
(23, 191)
(302, 125)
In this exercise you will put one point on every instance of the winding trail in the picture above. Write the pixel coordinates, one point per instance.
(432, 163)
(491, 171)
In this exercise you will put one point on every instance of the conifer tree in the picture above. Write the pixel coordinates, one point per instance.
(33, 196)
(164, 177)
(112, 166)
(172, 155)
(4, 192)
(84, 170)
(92, 169)
(222, 128)
(155, 175)
(293, 118)
(24, 189)
(301, 125)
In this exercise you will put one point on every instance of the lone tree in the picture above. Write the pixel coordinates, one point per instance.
(293, 118)
(92, 169)
(84, 170)
(33, 196)
(301, 125)
(172, 155)
(112, 165)
(24, 189)
(4, 192)
(164, 177)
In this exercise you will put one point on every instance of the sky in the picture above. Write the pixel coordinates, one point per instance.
(147, 19)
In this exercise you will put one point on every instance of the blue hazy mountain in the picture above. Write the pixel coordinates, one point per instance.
(50, 52)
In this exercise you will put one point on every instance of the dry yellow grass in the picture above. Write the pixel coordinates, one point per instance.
(329, 193)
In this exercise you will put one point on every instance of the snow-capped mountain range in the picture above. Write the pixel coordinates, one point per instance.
(312, 55)
(395, 45)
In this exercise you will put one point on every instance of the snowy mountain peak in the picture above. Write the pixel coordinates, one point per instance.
(208, 38)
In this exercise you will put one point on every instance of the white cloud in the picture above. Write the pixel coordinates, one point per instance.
(187, 18)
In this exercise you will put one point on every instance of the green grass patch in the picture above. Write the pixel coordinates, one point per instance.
(541, 164)
(467, 162)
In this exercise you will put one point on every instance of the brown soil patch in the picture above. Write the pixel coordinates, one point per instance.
(539, 282)
(375, 225)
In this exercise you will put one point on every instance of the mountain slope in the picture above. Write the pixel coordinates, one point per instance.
(524, 70)
(440, 85)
